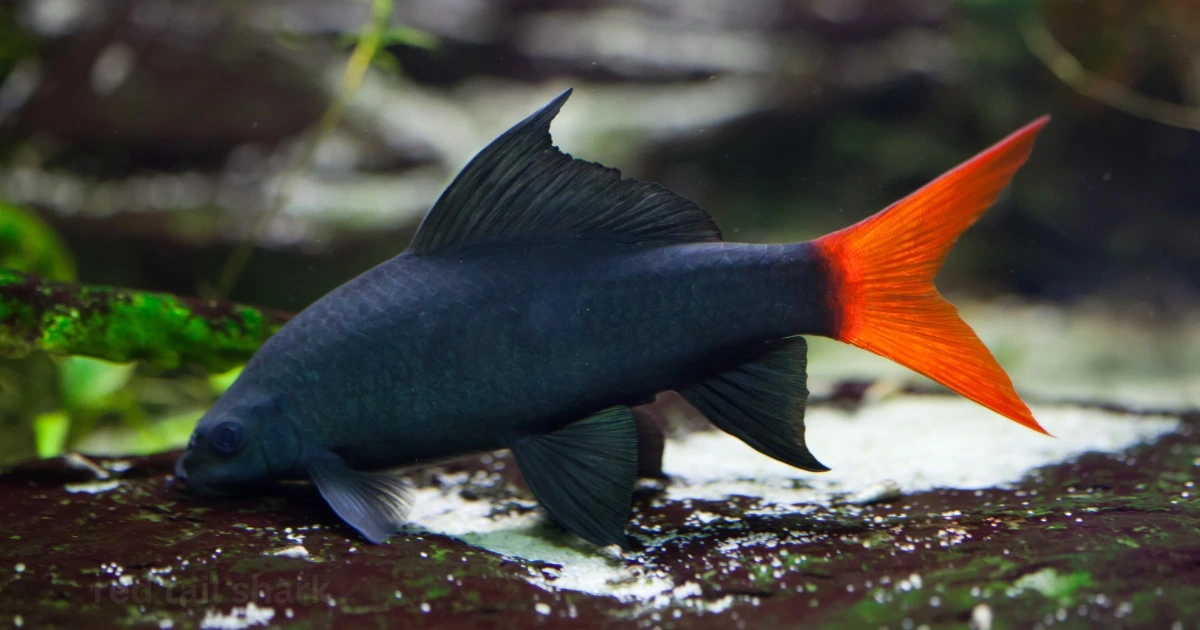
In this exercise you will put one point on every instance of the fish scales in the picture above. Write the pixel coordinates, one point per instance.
(500, 344)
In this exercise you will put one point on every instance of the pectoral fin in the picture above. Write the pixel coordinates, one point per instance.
(374, 503)
(583, 474)
(762, 403)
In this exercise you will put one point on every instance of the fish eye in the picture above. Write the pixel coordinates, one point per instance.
(227, 437)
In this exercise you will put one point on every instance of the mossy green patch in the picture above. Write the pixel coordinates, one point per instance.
(436, 592)
(1054, 585)
(122, 325)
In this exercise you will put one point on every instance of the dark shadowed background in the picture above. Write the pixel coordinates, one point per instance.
(153, 136)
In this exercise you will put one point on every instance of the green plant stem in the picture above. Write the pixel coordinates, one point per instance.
(125, 325)
(1070, 71)
(364, 52)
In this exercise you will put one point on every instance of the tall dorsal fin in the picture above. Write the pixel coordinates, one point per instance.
(522, 188)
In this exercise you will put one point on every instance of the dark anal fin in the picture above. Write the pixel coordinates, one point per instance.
(648, 421)
(374, 503)
(762, 403)
(583, 474)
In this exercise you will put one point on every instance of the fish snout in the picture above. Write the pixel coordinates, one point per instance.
(180, 470)
(200, 487)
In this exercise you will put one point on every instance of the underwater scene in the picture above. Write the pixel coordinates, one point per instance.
(631, 314)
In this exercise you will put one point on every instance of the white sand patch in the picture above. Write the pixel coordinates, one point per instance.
(295, 551)
(584, 567)
(917, 442)
(238, 617)
(92, 487)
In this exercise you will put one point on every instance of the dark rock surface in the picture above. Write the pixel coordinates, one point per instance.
(1104, 539)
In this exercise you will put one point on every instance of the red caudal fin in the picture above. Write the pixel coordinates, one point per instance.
(881, 270)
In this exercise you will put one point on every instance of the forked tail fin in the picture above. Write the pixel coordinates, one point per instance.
(881, 271)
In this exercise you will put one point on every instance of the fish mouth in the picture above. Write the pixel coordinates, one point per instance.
(197, 489)
(208, 487)
(180, 471)
(191, 485)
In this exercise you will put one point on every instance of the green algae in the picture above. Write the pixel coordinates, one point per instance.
(120, 325)
(437, 591)
(1054, 585)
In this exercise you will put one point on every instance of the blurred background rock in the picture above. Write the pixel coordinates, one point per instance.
(152, 136)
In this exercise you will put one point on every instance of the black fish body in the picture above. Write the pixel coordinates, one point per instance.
(465, 351)
(544, 297)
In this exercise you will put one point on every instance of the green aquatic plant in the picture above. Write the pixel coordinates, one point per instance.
(100, 335)
(28, 244)
(376, 34)
(50, 430)
(97, 336)
(121, 325)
